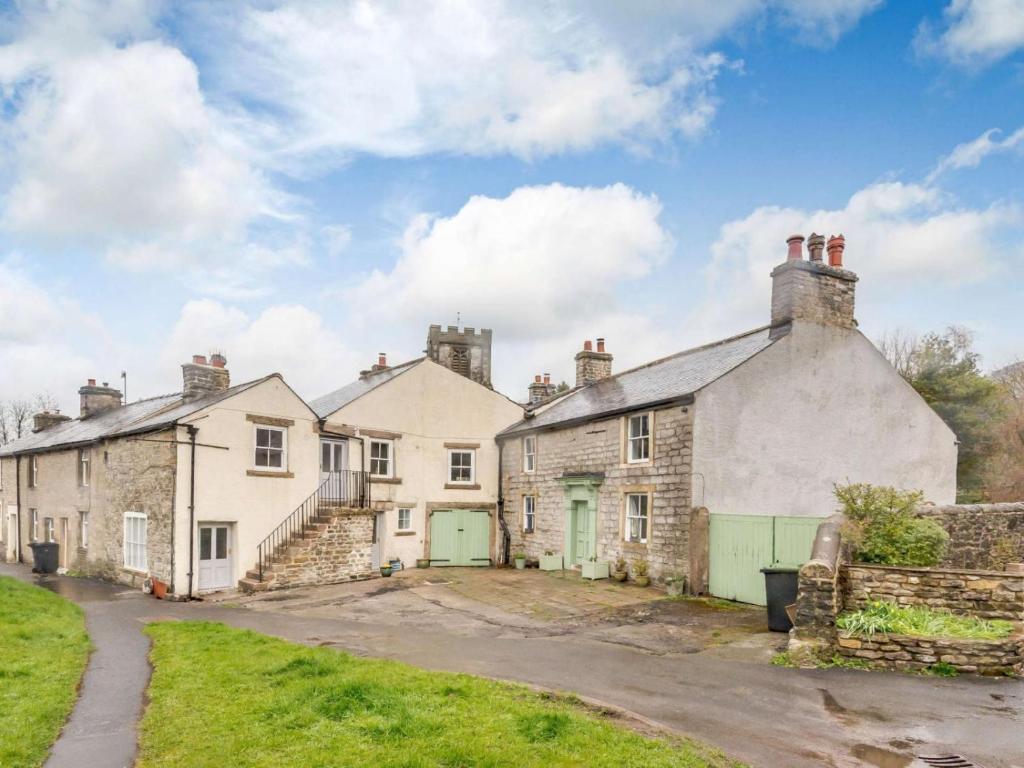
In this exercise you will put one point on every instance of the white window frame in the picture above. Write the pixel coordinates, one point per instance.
(142, 564)
(83, 529)
(33, 471)
(390, 444)
(408, 519)
(35, 524)
(472, 466)
(640, 439)
(50, 529)
(256, 447)
(530, 454)
(529, 514)
(627, 533)
(84, 465)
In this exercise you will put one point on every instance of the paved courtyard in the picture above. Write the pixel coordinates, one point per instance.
(696, 667)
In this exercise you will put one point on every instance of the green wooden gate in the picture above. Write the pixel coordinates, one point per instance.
(741, 545)
(460, 537)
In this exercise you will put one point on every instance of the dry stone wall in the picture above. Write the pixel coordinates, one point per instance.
(985, 657)
(341, 550)
(981, 536)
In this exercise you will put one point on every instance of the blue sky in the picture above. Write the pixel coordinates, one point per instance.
(303, 184)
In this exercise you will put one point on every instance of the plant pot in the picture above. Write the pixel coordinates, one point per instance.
(642, 581)
(423, 562)
(551, 562)
(385, 570)
(619, 576)
(675, 587)
(159, 589)
(595, 569)
(520, 563)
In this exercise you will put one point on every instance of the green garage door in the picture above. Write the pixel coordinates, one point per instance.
(460, 537)
(741, 545)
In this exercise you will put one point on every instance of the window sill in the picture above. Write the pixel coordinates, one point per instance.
(405, 533)
(636, 546)
(83, 550)
(386, 480)
(462, 486)
(135, 571)
(268, 473)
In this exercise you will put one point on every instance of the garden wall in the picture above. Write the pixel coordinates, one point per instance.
(985, 657)
(981, 536)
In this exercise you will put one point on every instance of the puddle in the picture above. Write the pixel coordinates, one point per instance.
(833, 707)
(81, 590)
(879, 757)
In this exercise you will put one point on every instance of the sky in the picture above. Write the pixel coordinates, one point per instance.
(302, 185)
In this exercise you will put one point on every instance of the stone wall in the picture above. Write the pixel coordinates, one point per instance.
(988, 594)
(598, 447)
(982, 536)
(985, 657)
(341, 551)
(818, 594)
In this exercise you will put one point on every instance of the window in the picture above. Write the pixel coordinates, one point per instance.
(639, 438)
(83, 467)
(381, 452)
(33, 472)
(35, 524)
(51, 532)
(404, 519)
(83, 529)
(636, 517)
(529, 504)
(135, 541)
(270, 448)
(460, 466)
(529, 453)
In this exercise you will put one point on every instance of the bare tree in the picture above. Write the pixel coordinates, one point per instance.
(900, 348)
(20, 413)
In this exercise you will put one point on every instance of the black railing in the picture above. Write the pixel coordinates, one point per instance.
(346, 488)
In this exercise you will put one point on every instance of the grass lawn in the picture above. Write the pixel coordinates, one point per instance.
(43, 651)
(222, 696)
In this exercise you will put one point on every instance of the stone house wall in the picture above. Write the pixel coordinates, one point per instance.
(988, 594)
(982, 536)
(341, 551)
(598, 447)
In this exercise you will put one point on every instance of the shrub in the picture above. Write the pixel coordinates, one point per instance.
(883, 528)
(882, 617)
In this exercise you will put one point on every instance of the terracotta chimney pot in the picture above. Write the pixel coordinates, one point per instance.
(588, 346)
(199, 359)
(600, 345)
(547, 378)
(815, 245)
(795, 243)
(536, 379)
(91, 382)
(836, 245)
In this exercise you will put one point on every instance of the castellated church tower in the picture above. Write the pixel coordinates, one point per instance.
(466, 351)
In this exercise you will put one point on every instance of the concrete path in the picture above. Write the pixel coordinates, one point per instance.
(766, 716)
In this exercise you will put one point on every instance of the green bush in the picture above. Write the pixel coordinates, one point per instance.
(883, 528)
(882, 617)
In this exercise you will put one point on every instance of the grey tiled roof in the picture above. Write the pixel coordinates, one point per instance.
(140, 416)
(659, 381)
(327, 404)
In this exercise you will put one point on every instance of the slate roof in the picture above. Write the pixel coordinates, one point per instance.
(327, 404)
(141, 416)
(660, 381)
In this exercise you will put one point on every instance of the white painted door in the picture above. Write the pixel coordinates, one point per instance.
(333, 462)
(214, 557)
(65, 544)
(12, 534)
(378, 537)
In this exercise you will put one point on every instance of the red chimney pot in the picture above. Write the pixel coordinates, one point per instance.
(382, 359)
(536, 379)
(587, 346)
(600, 345)
(199, 359)
(836, 245)
(217, 360)
(795, 243)
(547, 378)
(92, 382)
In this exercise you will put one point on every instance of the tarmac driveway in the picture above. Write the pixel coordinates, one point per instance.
(695, 667)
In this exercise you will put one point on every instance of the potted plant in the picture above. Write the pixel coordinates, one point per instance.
(385, 568)
(520, 558)
(675, 585)
(619, 571)
(423, 562)
(549, 561)
(594, 568)
(640, 573)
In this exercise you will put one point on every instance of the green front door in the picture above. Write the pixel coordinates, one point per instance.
(584, 528)
(460, 537)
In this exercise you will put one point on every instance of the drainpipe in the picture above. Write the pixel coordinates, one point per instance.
(17, 492)
(192, 432)
(506, 536)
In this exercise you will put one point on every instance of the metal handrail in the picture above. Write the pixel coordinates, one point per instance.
(343, 488)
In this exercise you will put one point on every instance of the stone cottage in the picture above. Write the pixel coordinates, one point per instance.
(714, 462)
(424, 430)
(181, 488)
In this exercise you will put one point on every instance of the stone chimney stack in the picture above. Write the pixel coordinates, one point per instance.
(96, 399)
(540, 389)
(201, 378)
(592, 366)
(45, 419)
(811, 291)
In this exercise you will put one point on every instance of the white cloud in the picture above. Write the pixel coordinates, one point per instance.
(896, 234)
(288, 338)
(971, 153)
(336, 238)
(530, 263)
(975, 31)
(825, 20)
